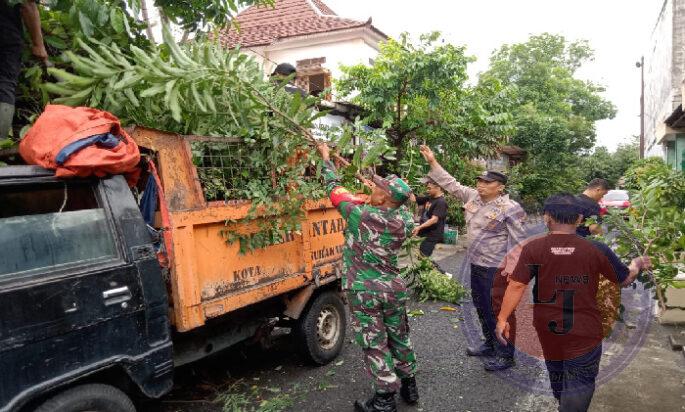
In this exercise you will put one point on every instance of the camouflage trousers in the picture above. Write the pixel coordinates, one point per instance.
(380, 325)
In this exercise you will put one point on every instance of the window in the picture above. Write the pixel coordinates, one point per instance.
(317, 82)
(45, 227)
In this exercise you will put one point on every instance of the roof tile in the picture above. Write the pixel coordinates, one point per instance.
(260, 25)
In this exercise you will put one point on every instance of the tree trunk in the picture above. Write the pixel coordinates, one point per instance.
(397, 138)
(146, 19)
(186, 33)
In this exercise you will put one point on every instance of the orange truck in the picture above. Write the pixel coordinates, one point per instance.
(100, 300)
(211, 281)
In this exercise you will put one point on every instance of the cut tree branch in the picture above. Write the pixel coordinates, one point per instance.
(305, 132)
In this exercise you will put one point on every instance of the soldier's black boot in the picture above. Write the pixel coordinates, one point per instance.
(482, 350)
(409, 392)
(380, 402)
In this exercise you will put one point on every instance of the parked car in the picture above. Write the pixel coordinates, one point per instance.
(614, 199)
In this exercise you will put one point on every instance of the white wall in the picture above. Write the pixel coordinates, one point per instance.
(343, 52)
(659, 91)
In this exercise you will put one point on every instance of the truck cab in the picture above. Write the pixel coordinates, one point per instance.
(82, 296)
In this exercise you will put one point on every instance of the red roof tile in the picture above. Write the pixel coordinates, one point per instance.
(289, 18)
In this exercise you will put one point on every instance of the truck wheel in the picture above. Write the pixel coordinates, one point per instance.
(320, 331)
(91, 398)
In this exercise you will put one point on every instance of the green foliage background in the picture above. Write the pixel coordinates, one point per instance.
(655, 223)
(417, 91)
(554, 112)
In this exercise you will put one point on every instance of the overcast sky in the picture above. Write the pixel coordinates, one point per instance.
(618, 31)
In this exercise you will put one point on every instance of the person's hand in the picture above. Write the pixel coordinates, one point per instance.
(412, 197)
(415, 231)
(368, 183)
(324, 151)
(642, 262)
(502, 331)
(636, 266)
(428, 154)
(39, 52)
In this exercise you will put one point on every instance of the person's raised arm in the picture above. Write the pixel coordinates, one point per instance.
(340, 197)
(31, 18)
(595, 229)
(444, 179)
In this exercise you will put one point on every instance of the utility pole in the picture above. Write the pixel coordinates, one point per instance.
(641, 65)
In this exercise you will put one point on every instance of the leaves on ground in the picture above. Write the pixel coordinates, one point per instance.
(415, 312)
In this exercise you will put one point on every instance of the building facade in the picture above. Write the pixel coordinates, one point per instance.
(306, 34)
(664, 70)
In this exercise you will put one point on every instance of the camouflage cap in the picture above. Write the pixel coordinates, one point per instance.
(397, 188)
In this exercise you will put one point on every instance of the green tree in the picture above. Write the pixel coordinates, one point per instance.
(610, 166)
(117, 22)
(626, 156)
(655, 223)
(418, 91)
(555, 113)
(192, 15)
(196, 88)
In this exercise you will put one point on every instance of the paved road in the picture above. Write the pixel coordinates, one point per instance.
(448, 380)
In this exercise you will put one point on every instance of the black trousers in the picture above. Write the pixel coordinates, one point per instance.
(483, 290)
(573, 380)
(10, 56)
(427, 247)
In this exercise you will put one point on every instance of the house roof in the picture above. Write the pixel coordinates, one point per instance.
(263, 25)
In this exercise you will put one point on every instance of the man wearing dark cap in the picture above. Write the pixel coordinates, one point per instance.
(432, 222)
(495, 224)
(283, 71)
(376, 293)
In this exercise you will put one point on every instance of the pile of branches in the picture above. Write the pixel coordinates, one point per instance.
(205, 89)
(426, 280)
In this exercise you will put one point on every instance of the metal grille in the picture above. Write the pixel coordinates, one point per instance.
(224, 168)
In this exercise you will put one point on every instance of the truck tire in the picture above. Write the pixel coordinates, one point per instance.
(320, 331)
(91, 397)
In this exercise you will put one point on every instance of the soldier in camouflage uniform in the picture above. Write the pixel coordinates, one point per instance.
(377, 295)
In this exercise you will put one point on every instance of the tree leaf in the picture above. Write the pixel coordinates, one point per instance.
(116, 20)
(103, 15)
(55, 42)
(86, 24)
(174, 105)
(153, 91)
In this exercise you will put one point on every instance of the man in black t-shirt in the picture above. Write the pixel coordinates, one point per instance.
(432, 222)
(589, 206)
(11, 45)
(565, 270)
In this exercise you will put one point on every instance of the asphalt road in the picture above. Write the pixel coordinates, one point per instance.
(243, 378)
(448, 380)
